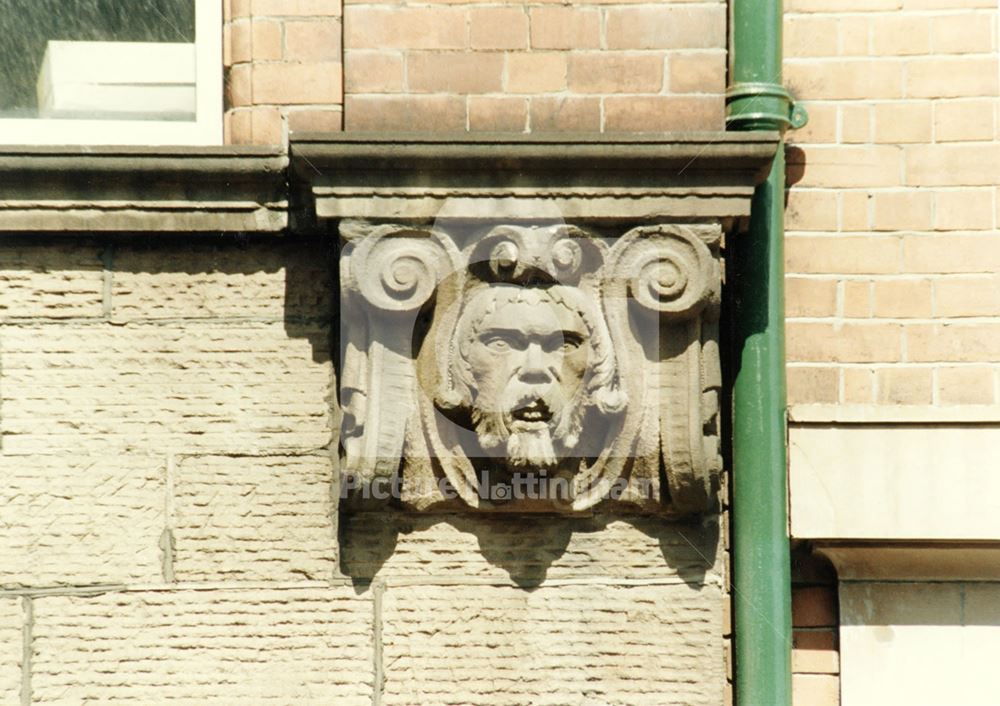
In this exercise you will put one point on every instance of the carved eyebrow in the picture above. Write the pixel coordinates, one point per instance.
(551, 340)
(504, 332)
(501, 330)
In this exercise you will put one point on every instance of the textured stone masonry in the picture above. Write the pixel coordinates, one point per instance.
(76, 520)
(164, 387)
(213, 647)
(244, 518)
(59, 281)
(11, 648)
(593, 642)
(261, 280)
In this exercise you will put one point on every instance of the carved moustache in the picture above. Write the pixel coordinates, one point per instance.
(526, 409)
(529, 405)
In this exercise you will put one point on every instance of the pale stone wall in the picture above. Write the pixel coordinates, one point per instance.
(166, 413)
(167, 417)
(920, 643)
(892, 248)
(12, 628)
(265, 645)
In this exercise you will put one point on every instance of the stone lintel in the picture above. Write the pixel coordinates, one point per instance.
(136, 189)
(695, 176)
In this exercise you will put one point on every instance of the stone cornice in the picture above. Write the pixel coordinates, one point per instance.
(123, 189)
(588, 177)
(682, 176)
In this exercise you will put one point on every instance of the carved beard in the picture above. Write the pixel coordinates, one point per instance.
(536, 446)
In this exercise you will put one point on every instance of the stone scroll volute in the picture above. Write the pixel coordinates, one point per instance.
(531, 367)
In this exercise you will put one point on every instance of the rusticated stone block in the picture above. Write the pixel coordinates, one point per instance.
(253, 518)
(11, 648)
(196, 280)
(179, 386)
(55, 281)
(76, 520)
(215, 647)
(571, 644)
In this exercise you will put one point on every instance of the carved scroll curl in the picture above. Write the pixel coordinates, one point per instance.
(388, 274)
(397, 270)
(673, 276)
(670, 272)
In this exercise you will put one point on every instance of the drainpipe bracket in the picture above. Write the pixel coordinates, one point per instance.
(763, 106)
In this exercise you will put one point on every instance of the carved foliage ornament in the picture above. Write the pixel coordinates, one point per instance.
(532, 367)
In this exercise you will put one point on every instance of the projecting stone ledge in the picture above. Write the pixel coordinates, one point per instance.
(596, 177)
(129, 189)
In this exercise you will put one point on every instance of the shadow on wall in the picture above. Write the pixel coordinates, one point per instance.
(225, 277)
(795, 166)
(525, 549)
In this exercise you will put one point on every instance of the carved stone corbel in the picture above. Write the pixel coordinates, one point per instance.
(538, 366)
(536, 333)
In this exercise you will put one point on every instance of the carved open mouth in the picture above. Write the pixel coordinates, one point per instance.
(535, 412)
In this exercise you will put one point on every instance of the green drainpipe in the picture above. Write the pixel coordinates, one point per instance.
(762, 613)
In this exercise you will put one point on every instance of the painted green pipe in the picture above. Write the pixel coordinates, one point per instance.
(761, 587)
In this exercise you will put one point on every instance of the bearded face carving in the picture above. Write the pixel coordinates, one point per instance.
(548, 354)
(528, 355)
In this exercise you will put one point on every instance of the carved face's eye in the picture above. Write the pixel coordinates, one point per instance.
(501, 342)
(565, 342)
(498, 344)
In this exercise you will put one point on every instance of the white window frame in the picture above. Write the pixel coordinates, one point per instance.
(205, 129)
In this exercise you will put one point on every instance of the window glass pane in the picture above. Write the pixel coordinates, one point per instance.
(97, 59)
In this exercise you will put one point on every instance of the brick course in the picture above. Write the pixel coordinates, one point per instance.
(283, 68)
(894, 201)
(593, 67)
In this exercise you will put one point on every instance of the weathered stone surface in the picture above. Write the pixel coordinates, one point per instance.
(11, 648)
(214, 647)
(591, 643)
(53, 281)
(155, 388)
(78, 520)
(193, 280)
(530, 549)
(254, 518)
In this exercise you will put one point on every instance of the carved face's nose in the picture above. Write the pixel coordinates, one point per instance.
(535, 365)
